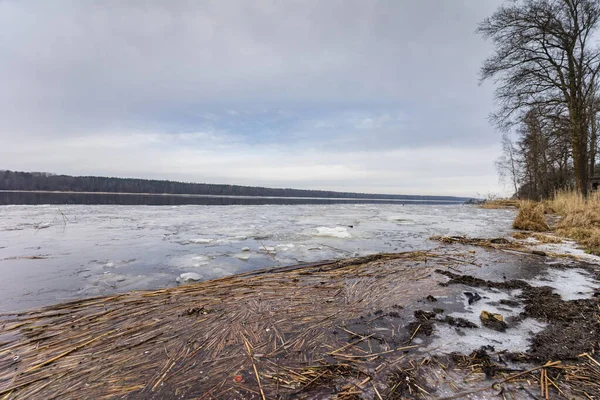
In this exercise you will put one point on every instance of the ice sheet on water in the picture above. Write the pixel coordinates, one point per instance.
(569, 283)
(401, 219)
(190, 261)
(285, 246)
(165, 241)
(242, 256)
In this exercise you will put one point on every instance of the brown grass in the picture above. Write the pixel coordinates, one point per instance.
(580, 218)
(531, 217)
(499, 204)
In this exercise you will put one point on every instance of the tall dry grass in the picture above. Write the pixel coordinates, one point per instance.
(531, 217)
(580, 218)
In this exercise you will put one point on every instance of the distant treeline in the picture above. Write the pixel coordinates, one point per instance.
(14, 180)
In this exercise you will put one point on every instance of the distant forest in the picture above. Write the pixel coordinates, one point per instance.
(34, 181)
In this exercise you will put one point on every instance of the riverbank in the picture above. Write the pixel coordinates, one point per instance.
(385, 326)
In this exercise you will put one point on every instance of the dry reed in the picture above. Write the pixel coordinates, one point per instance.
(580, 218)
(531, 217)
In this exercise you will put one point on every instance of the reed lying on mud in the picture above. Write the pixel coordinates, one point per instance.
(287, 332)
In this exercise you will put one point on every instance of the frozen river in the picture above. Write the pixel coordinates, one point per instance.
(50, 254)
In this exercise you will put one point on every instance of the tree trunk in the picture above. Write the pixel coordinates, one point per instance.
(579, 144)
(593, 145)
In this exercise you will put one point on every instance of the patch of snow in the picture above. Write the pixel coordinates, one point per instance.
(516, 339)
(243, 257)
(570, 284)
(568, 247)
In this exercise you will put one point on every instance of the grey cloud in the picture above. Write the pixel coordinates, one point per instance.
(74, 68)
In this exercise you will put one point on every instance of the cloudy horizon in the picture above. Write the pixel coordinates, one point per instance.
(360, 96)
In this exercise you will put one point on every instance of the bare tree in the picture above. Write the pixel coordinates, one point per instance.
(539, 161)
(544, 60)
(509, 167)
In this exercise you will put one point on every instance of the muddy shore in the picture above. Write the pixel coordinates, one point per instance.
(388, 326)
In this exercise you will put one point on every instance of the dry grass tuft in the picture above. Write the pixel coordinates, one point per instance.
(580, 218)
(531, 217)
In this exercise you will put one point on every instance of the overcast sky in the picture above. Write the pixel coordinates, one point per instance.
(370, 96)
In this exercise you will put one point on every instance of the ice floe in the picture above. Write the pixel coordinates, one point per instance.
(337, 232)
(188, 277)
(201, 241)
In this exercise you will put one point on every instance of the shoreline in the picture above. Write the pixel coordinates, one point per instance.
(409, 200)
(345, 328)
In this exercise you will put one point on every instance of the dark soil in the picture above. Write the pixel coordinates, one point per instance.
(510, 303)
(476, 282)
(573, 326)
(426, 320)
